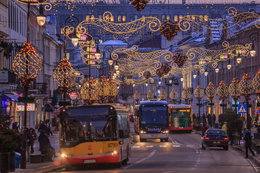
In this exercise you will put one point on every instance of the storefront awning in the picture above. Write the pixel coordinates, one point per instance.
(12, 97)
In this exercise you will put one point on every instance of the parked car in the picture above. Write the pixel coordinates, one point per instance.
(215, 138)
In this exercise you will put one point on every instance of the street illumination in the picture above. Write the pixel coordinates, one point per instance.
(194, 76)
(206, 73)
(116, 67)
(182, 79)
(229, 66)
(75, 41)
(239, 60)
(110, 62)
(252, 53)
(41, 18)
(217, 70)
(146, 84)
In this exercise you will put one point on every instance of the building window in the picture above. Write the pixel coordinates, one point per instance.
(175, 18)
(123, 18)
(119, 19)
(168, 17)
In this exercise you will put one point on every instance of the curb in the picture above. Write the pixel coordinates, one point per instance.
(254, 159)
(53, 169)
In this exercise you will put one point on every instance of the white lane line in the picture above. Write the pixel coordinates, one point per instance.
(136, 146)
(141, 160)
(175, 145)
(173, 141)
(190, 146)
(163, 146)
(149, 146)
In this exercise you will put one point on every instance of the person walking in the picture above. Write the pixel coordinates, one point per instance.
(248, 142)
(31, 138)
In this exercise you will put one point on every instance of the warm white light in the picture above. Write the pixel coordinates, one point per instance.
(116, 67)
(182, 79)
(194, 76)
(97, 55)
(229, 66)
(252, 53)
(217, 70)
(146, 84)
(75, 41)
(41, 20)
(239, 59)
(206, 73)
(159, 82)
(133, 85)
(170, 81)
(117, 72)
(110, 62)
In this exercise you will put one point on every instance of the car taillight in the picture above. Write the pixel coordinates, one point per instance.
(206, 138)
(170, 125)
(225, 138)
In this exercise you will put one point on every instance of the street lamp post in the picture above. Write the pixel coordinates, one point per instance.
(234, 91)
(210, 93)
(222, 92)
(246, 89)
(199, 94)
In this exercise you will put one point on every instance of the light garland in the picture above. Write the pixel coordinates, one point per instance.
(186, 94)
(256, 83)
(64, 75)
(199, 93)
(27, 64)
(222, 90)
(210, 91)
(245, 86)
(241, 19)
(174, 95)
(233, 89)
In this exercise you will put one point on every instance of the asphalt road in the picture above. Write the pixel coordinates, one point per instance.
(181, 154)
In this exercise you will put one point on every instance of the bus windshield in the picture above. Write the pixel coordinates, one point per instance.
(154, 115)
(79, 129)
(180, 118)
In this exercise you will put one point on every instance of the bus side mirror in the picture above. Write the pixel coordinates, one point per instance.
(121, 134)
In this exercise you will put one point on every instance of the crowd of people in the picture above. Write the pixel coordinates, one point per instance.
(28, 136)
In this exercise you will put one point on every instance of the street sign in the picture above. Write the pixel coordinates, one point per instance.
(241, 109)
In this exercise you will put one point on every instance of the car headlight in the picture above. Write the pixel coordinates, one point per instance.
(165, 131)
(142, 131)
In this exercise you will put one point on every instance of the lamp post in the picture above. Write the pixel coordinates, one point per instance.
(199, 94)
(26, 65)
(210, 93)
(246, 89)
(222, 92)
(234, 91)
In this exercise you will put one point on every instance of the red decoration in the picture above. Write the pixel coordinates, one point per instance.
(164, 70)
(180, 59)
(139, 4)
(169, 29)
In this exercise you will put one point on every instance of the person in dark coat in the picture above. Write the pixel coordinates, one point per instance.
(45, 145)
(31, 138)
(248, 142)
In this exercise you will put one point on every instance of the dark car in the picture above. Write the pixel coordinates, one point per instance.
(215, 138)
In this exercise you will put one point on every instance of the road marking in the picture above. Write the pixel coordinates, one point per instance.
(136, 146)
(253, 165)
(176, 145)
(141, 160)
(190, 146)
(149, 146)
(173, 141)
(163, 146)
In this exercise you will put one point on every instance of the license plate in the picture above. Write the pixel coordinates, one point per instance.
(216, 142)
(90, 161)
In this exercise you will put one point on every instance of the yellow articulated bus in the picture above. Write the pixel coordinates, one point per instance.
(94, 134)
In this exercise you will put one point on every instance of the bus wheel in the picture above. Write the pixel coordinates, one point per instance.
(119, 165)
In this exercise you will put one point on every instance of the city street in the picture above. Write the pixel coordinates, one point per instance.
(181, 154)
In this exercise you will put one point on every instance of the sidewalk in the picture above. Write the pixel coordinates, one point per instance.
(45, 166)
(241, 148)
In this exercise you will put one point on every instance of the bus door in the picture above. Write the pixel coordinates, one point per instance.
(124, 137)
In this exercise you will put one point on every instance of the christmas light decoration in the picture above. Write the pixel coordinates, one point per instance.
(169, 29)
(139, 4)
(174, 95)
(233, 89)
(210, 91)
(27, 64)
(186, 94)
(256, 83)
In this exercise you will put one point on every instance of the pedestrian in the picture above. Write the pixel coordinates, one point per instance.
(31, 138)
(209, 120)
(224, 127)
(214, 120)
(45, 145)
(15, 126)
(248, 142)
(204, 121)
(204, 129)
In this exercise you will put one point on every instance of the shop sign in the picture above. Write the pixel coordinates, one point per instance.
(3, 76)
(30, 107)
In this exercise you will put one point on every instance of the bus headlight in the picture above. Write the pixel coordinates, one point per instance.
(142, 132)
(165, 131)
(113, 153)
(63, 155)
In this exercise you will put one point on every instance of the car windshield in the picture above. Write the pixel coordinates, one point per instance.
(154, 115)
(78, 129)
(215, 132)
